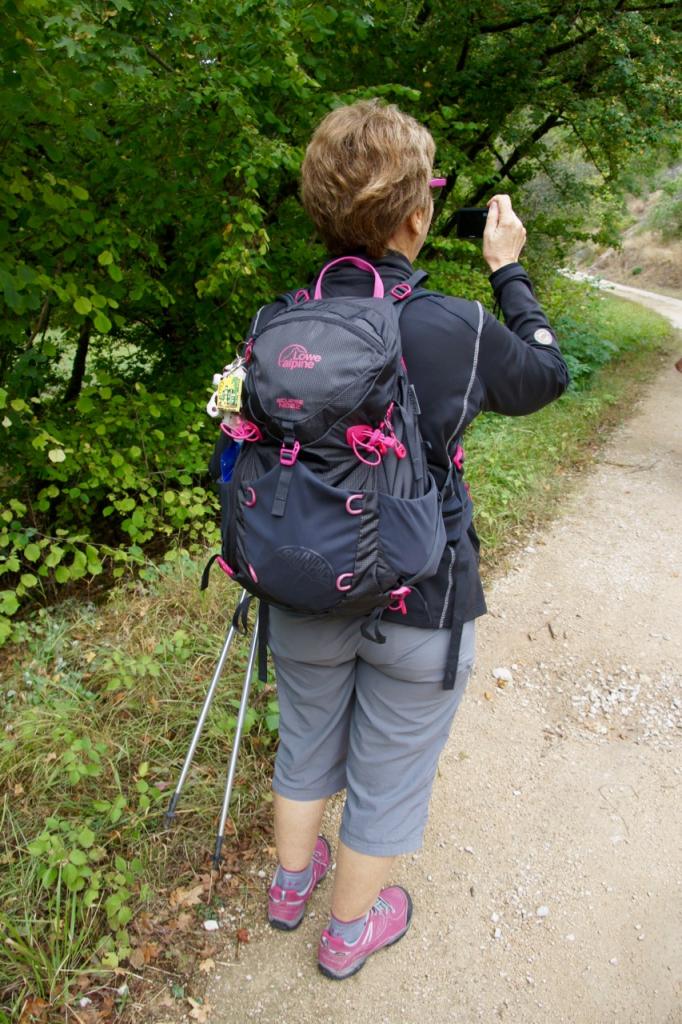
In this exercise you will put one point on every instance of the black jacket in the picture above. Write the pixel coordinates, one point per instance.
(462, 361)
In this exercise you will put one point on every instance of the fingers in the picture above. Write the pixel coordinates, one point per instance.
(504, 236)
(504, 206)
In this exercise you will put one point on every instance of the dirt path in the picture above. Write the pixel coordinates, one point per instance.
(549, 889)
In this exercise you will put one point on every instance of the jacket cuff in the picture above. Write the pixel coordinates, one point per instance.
(510, 272)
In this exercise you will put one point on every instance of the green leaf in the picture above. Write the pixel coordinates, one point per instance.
(9, 602)
(77, 857)
(79, 193)
(56, 455)
(86, 837)
(82, 305)
(102, 323)
(27, 579)
(54, 556)
(105, 258)
(115, 273)
(32, 552)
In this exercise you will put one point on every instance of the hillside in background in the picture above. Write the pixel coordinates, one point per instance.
(651, 252)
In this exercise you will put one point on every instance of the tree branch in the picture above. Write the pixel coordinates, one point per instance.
(41, 322)
(154, 55)
(568, 44)
(506, 26)
(463, 55)
(551, 121)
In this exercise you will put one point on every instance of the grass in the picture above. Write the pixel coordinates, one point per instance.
(100, 703)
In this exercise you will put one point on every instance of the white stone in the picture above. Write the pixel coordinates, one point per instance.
(502, 673)
(211, 926)
(542, 911)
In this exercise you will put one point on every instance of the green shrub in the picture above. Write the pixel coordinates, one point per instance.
(86, 490)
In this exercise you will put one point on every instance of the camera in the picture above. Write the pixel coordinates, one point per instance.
(471, 221)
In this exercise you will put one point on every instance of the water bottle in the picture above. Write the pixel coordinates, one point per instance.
(228, 457)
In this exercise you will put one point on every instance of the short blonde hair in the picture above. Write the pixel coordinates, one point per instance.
(366, 168)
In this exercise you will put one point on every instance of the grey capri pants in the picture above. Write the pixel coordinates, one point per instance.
(370, 717)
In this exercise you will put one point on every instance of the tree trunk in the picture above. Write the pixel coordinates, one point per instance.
(78, 369)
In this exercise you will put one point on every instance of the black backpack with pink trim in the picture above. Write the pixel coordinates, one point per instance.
(331, 507)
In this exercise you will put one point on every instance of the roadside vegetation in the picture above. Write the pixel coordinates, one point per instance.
(100, 699)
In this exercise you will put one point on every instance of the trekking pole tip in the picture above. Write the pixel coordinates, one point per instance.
(169, 816)
(217, 853)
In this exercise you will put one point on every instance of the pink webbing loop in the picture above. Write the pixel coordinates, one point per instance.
(458, 458)
(250, 499)
(370, 445)
(244, 430)
(224, 566)
(399, 448)
(302, 295)
(398, 603)
(361, 264)
(350, 508)
(401, 290)
(288, 456)
(341, 583)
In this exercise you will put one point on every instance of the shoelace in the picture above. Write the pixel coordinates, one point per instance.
(382, 906)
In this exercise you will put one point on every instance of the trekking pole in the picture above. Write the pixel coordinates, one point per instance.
(235, 747)
(170, 813)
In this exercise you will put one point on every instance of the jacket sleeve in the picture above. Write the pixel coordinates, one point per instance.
(520, 365)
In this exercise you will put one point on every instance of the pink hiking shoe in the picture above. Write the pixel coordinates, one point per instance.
(387, 922)
(286, 907)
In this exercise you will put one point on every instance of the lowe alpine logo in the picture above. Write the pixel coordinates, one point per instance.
(297, 357)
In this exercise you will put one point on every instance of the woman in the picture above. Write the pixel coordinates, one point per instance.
(373, 718)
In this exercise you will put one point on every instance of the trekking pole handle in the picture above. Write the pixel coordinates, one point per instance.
(361, 264)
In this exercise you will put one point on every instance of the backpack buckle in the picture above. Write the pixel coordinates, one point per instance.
(288, 456)
(401, 290)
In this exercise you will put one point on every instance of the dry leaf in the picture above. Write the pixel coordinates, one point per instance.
(144, 922)
(199, 1012)
(207, 965)
(90, 656)
(19, 789)
(186, 897)
(183, 922)
(502, 683)
(34, 1011)
(488, 696)
(243, 935)
(50, 757)
(136, 958)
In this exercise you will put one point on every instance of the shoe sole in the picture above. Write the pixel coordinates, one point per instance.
(358, 967)
(286, 926)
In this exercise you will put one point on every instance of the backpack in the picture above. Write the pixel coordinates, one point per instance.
(331, 507)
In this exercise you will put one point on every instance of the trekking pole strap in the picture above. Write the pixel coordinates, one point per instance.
(452, 662)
